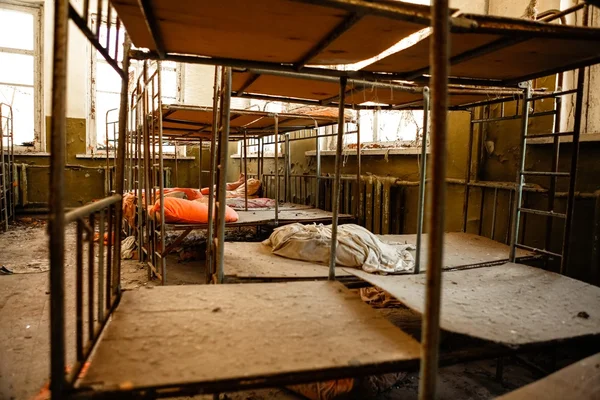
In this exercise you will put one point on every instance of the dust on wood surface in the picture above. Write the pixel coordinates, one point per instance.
(206, 333)
(255, 260)
(511, 304)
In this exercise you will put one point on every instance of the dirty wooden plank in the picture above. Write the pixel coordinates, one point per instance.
(580, 380)
(247, 260)
(240, 334)
(512, 304)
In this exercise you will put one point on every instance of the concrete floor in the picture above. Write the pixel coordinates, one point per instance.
(24, 323)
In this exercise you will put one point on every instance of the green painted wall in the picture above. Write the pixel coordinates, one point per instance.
(84, 177)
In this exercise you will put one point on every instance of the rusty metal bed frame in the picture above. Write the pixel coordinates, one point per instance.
(7, 167)
(89, 332)
(151, 125)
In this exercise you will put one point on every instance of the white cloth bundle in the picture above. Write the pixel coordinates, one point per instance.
(357, 247)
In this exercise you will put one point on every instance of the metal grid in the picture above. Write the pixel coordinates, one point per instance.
(101, 293)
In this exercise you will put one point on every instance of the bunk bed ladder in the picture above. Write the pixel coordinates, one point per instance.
(520, 208)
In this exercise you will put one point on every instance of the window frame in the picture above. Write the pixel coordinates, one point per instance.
(91, 120)
(39, 132)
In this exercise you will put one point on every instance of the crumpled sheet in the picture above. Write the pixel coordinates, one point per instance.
(128, 248)
(356, 248)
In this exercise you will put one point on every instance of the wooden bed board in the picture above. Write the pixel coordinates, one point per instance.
(244, 334)
(265, 217)
(462, 249)
(510, 304)
(251, 261)
(580, 380)
(265, 30)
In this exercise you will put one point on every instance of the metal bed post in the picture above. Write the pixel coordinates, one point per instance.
(514, 238)
(437, 187)
(318, 167)
(213, 167)
(358, 169)
(422, 181)
(468, 170)
(146, 154)
(555, 160)
(337, 184)
(56, 220)
(287, 193)
(200, 165)
(161, 177)
(573, 179)
(223, 161)
(245, 172)
(4, 194)
(120, 168)
(176, 168)
(276, 140)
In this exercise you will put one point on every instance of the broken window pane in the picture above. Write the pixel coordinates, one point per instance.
(16, 29)
(21, 101)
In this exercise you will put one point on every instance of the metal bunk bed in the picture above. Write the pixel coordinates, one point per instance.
(157, 124)
(119, 363)
(7, 167)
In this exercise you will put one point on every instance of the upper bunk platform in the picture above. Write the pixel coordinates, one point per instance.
(497, 50)
(273, 31)
(509, 304)
(215, 338)
(185, 122)
(323, 91)
(246, 261)
(502, 50)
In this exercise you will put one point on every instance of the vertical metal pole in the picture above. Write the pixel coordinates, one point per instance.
(318, 168)
(101, 267)
(516, 215)
(420, 210)
(337, 185)
(200, 165)
(245, 171)
(176, 169)
(120, 170)
(555, 159)
(5, 187)
(439, 54)
(56, 220)
(468, 171)
(276, 139)
(213, 168)
(358, 170)
(495, 207)
(573, 179)
(223, 161)
(288, 183)
(161, 178)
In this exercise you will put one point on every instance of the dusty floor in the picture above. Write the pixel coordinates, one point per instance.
(24, 322)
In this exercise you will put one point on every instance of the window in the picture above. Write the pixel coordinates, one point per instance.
(20, 72)
(269, 141)
(105, 92)
(390, 128)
